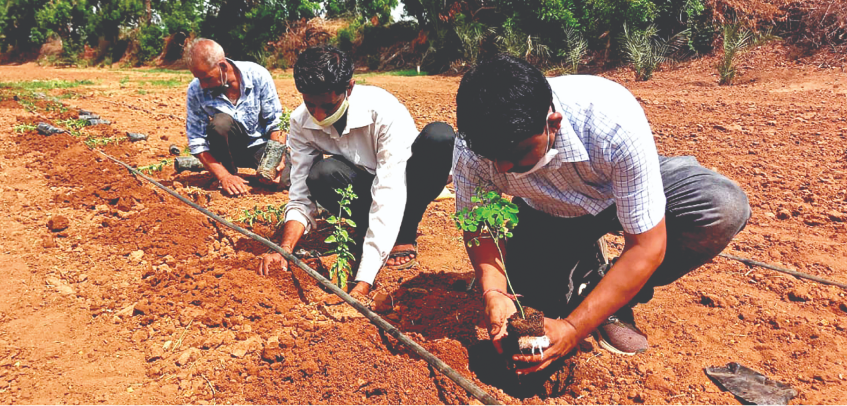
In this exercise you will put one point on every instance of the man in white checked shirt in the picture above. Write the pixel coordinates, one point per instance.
(578, 154)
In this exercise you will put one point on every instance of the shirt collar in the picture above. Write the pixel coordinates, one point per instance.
(358, 114)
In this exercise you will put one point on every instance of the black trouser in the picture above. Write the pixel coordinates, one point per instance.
(228, 144)
(550, 259)
(427, 171)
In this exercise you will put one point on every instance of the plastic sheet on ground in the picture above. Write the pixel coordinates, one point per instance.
(750, 386)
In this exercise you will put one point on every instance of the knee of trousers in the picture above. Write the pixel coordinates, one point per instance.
(730, 203)
(438, 135)
(221, 124)
(323, 176)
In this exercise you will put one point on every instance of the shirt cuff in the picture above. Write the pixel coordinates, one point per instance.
(196, 149)
(296, 215)
(368, 268)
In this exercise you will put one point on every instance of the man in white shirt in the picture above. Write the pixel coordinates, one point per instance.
(577, 152)
(373, 145)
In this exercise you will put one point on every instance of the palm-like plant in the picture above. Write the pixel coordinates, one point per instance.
(736, 39)
(514, 42)
(646, 51)
(576, 48)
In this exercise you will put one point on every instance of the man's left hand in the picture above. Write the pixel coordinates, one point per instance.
(362, 288)
(563, 339)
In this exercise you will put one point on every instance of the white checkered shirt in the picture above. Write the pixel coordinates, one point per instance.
(606, 155)
(258, 109)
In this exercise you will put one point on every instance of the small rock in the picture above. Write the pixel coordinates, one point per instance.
(711, 300)
(271, 355)
(213, 342)
(242, 348)
(136, 256)
(140, 336)
(783, 214)
(836, 216)
(58, 223)
(309, 368)
(126, 312)
(188, 356)
(48, 241)
(65, 290)
(382, 303)
(799, 294)
(82, 278)
(155, 352)
(393, 317)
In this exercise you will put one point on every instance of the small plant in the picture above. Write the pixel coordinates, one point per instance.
(157, 167)
(141, 92)
(576, 48)
(493, 217)
(22, 128)
(270, 214)
(736, 39)
(124, 80)
(645, 50)
(342, 268)
(45, 84)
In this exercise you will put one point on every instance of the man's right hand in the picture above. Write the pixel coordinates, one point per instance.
(269, 259)
(498, 308)
(234, 185)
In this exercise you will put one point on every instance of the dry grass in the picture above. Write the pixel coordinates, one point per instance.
(304, 34)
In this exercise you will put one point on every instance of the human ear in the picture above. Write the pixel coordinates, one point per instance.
(554, 121)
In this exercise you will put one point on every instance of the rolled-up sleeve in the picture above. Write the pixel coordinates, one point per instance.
(637, 181)
(196, 120)
(271, 107)
(300, 208)
(396, 131)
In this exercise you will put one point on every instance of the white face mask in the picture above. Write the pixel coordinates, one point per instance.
(546, 159)
(335, 116)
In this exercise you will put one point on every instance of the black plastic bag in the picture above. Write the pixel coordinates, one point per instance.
(750, 386)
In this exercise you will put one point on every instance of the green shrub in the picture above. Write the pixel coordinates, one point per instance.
(736, 39)
(150, 42)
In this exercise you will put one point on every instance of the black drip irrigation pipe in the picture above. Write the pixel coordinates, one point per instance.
(750, 262)
(438, 364)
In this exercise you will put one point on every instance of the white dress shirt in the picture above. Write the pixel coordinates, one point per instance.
(378, 138)
(606, 155)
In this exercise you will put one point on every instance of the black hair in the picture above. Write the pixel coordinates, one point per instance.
(501, 102)
(322, 69)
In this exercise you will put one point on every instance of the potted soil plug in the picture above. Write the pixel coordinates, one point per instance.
(494, 217)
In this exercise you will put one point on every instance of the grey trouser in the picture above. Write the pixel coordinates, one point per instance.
(549, 259)
(228, 142)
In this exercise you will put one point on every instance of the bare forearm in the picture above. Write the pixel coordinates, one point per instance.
(486, 262)
(291, 233)
(641, 256)
(212, 165)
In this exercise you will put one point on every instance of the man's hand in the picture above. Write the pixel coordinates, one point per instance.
(272, 259)
(498, 308)
(563, 339)
(362, 288)
(234, 185)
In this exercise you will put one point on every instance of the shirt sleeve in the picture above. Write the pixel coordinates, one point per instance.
(395, 131)
(300, 208)
(271, 107)
(637, 181)
(469, 173)
(196, 121)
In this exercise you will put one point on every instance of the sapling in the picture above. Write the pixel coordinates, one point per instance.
(494, 218)
(342, 268)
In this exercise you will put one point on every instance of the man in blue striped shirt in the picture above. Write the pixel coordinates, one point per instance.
(578, 154)
(233, 110)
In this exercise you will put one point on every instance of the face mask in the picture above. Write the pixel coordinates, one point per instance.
(546, 159)
(224, 85)
(335, 116)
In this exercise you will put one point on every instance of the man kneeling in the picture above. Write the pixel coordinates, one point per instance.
(373, 145)
(578, 154)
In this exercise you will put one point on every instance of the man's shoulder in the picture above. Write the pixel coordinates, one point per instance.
(375, 98)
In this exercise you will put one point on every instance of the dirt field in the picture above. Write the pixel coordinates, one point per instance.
(143, 300)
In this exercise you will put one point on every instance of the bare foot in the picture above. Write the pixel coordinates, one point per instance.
(396, 261)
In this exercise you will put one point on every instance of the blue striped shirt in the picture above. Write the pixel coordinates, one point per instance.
(258, 109)
(606, 155)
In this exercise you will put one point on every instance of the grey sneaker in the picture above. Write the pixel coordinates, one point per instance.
(621, 337)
